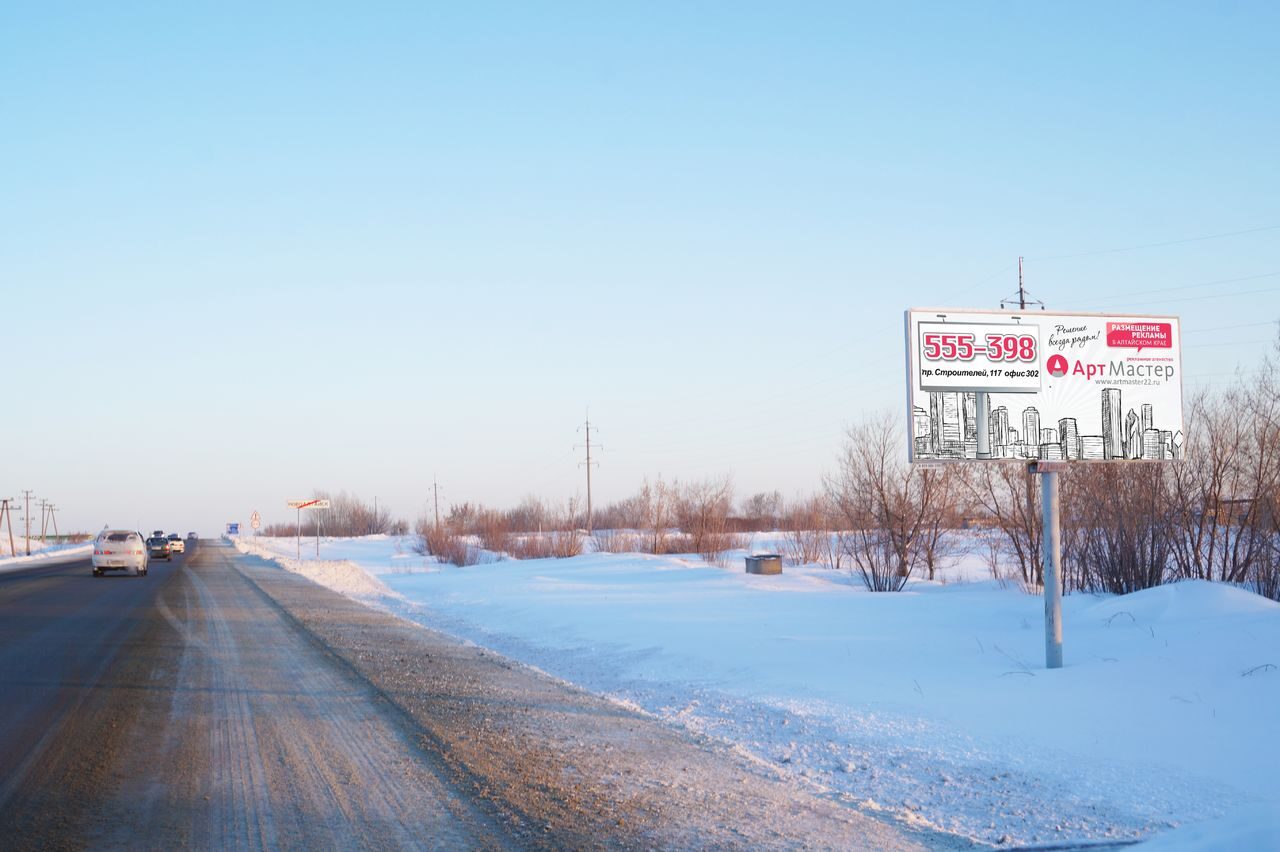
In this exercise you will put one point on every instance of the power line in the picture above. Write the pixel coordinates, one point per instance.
(1226, 343)
(1199, 298)
(1159, 245)
(1178, 288)
(1230, 327)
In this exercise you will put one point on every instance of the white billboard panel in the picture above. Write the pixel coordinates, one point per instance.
(1060, 386)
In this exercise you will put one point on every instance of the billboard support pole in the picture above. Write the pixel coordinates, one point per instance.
(1051, 561)
(297, 531)
(982, 408)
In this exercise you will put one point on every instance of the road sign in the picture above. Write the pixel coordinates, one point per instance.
(308, 504)
(233, 529)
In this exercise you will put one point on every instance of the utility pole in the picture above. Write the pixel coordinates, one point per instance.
(435, 490)
(54, 518)
(7, 511)
(1021, 296)
(44, 520)
(586, 428)
(1050, 519)
(26, 519)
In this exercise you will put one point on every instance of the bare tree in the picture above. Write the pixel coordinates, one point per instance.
(702, 511)
(807, 539)
(762, 511)
(1005, 492)
(657, 507)
(1115, 527)
(886, 506)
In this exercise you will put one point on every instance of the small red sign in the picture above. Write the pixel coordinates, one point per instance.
(1140, 335)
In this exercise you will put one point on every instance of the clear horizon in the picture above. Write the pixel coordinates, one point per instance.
(248, 253)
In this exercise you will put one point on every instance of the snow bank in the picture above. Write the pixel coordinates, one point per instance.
(51, 555)
(343, 575)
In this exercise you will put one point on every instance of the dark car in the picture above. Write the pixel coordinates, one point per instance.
(158, 546)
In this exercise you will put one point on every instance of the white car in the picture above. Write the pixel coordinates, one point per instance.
(120, 550)
(177, 545)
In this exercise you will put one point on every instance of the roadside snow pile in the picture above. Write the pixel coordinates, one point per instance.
(49, 555)
(932, 704)
(342, 576)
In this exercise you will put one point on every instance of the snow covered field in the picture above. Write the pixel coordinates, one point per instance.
(931, 704)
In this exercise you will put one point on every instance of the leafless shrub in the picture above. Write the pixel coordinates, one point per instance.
(656, 505)
(675, 541)
(1265, 573)
(617, 541)
(806, 539)
(454, 549)
(1225, 492)
(887, 506)
(557, 544)
(1006, 493)
(702, 511)
(445, 544)
(1115, 530)
(717, 546)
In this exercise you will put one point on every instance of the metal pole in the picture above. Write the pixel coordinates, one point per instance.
(8, 521)
(297, 531)
(26, 519)
(982, 408)
(317, 538)
(1051, 553)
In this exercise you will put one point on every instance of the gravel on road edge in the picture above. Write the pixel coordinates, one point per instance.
(561, 767)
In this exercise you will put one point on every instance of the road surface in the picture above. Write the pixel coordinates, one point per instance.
(221, 702)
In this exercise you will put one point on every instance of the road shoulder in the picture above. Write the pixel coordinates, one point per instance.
(562, 766)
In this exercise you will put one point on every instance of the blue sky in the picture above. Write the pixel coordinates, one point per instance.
(248, 250)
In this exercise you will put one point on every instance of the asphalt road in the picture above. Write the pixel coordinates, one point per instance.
(184, 709)
(221, 702)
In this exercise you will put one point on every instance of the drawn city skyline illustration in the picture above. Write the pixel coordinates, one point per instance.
(948, 429)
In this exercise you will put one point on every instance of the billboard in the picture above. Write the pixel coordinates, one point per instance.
(1059, 386)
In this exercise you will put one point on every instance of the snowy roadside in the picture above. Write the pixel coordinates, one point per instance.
(52, 555)
(931, 704)
(339, 575)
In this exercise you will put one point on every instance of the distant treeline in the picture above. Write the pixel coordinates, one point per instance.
(1125, 526)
